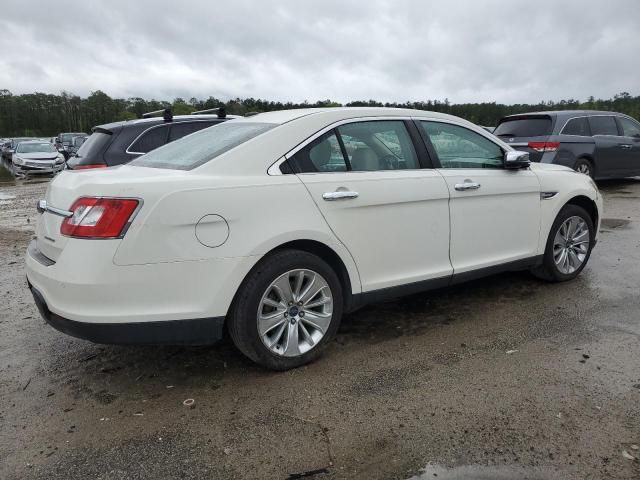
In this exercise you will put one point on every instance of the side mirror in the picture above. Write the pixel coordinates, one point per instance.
(515, 159)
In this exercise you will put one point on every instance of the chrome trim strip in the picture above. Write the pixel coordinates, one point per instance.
(43, 207)
(274, 169)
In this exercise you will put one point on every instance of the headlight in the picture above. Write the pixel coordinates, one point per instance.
(17, 160)
(60, 159)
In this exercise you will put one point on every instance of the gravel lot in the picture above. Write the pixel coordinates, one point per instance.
(505, 377)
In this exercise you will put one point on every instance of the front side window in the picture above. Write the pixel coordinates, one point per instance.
(150, 140)
(201, 147)
(577, 126)
(459, 147)
(378, 145)
(629, 127)
(603, 125)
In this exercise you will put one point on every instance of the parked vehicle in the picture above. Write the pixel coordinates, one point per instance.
(120, 142)
(10, 147)
(273, 226)
(598, 144)
(76, 143)
(36, 156)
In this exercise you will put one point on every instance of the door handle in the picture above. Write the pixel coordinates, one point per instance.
(467, 186)
(626, 146)
(339, 195)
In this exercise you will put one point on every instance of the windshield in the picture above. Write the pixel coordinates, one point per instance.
(524, 127)
(78, 141)
(198, 148)
(35, 148)
(66, 137)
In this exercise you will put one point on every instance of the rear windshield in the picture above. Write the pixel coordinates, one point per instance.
(93, 144)
(198, 148)
(524, 127)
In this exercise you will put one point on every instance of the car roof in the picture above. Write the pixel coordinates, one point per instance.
(158, 120)
(284, 116)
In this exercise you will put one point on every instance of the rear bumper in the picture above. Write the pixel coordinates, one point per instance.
(201, 331)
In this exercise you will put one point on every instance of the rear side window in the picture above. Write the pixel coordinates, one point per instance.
(524, 127)
(197, 149)
(182, 129)
(94, 144)
(378, 145)
(629, 127)
(603, 125)
(150, 140)
(577, 126)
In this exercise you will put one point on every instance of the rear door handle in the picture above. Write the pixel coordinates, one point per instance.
(339, 195)
(626, 146)
(467, 186)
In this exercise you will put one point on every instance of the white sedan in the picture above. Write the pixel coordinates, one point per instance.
(274, 226)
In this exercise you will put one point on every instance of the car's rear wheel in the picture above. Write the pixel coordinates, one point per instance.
(584, 166)
(569, 245)
(287, 310)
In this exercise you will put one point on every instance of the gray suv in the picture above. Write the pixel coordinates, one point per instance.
(599, 144)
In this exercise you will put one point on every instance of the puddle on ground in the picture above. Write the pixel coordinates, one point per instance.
(614, 222)
(481, 472)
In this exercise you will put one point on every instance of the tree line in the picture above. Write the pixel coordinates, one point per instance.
(46, 115)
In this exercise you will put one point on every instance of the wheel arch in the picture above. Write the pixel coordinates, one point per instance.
(327, 254)
(589, 205)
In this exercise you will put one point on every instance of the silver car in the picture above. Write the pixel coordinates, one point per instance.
(37, 157)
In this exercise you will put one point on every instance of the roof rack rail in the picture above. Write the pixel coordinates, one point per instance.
(167, 114)
(221, 111)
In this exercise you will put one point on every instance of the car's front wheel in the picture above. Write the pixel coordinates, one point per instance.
(569, 245)
(287, 310)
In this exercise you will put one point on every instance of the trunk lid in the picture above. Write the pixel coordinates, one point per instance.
(66, 188)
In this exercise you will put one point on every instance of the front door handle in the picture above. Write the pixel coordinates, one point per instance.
(339, 195)
(467, 186)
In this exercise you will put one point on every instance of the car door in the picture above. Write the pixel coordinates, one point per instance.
(609, 150)
(630, 130)
(390, 213)
(495, 212)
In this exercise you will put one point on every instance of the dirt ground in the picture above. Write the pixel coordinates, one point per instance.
(505, 378)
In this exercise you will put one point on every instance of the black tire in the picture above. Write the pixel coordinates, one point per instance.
(549, 270)
(584, 166)
(242, 319)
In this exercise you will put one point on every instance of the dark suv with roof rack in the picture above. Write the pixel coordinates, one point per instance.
(599, 144)
(120, 142)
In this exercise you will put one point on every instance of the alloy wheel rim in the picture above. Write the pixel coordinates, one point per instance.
(295, 312)
(571, 245)
(583, 168)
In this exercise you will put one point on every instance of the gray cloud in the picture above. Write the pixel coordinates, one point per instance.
(506, 51)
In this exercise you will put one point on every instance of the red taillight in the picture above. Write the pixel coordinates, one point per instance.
(93, 165)
(544, 146)
(98, 217)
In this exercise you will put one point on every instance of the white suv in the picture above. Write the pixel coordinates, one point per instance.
(277, 224)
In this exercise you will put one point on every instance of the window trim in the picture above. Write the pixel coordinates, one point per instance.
(434, 154)
(575, 118)
(424, 163)
(166, 124)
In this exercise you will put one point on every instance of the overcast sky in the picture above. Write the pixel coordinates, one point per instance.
(390, 50)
